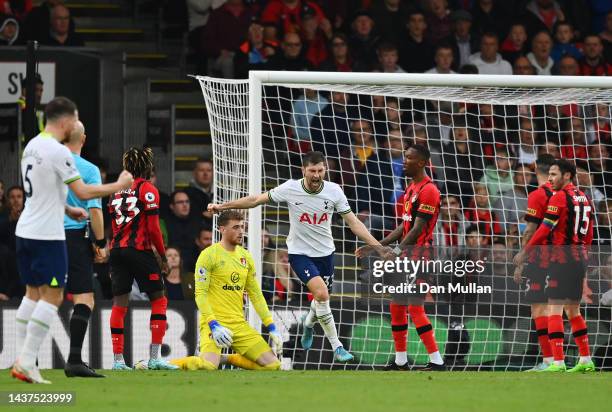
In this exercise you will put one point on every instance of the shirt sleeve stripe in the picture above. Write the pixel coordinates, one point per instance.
(270, 197)
(345, 212)
(424, 215)
(74, 179)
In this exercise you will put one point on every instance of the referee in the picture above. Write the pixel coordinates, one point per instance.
(82, 245)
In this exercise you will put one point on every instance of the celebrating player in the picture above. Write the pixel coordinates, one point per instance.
(224, 271)
(568, 224)
(81, 256)
(47, 167)
(537, 264)
(135, 221)
(311, 201)
(421, 209)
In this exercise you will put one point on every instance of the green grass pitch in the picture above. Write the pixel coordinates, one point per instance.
(294, 391)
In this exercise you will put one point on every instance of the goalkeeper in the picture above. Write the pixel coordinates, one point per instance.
(224, 271)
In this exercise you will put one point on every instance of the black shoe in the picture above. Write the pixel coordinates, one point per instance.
(433, 367)
(392, 366)
(81, 370)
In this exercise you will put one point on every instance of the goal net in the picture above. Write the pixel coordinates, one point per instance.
(484, 134)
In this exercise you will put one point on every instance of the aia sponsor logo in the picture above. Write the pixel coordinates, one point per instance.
(314, 219)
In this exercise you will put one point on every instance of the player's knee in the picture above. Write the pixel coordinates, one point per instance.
(272, 366)
(320, 294)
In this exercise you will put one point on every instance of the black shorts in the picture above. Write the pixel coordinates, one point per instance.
(566, 280)
(127, 264)
(80, 262)
(535, 288)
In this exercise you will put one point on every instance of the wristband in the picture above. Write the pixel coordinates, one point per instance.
(397, 250)
(213, 324)
(101, 243)
(271, 327)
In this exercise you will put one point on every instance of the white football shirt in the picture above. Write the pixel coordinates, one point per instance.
(47, 166)
(310, 215)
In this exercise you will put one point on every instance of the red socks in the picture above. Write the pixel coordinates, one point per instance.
(423, 327)
(116, 325)
(158, 320)
(541, 324)
(399, 326)
(579, 330)
(555, 334)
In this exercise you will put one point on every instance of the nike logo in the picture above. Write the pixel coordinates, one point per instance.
(298, 203)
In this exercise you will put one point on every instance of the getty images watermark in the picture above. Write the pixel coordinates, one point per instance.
(409, 276)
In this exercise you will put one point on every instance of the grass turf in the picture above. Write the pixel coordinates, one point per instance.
(328, 390)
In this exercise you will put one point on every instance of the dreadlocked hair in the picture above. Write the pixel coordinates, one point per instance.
(139, 162)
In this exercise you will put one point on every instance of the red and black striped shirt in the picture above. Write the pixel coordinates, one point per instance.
(422, 200)
(135, 217)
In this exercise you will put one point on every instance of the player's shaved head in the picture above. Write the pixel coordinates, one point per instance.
(77, 134)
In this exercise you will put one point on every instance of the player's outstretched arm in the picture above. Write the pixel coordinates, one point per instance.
(86, 192)
(247, 202)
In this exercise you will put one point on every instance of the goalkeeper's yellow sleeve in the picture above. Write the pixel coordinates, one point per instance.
(256, 296)
(202, 284)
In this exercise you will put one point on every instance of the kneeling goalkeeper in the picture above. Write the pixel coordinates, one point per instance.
(224, 271)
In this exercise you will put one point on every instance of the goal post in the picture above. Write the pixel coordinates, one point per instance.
(261, 126)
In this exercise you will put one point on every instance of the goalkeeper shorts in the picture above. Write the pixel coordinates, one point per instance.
(246, 340)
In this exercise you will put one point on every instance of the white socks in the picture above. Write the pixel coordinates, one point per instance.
(559, 363)
(37, 329)
(585, 359)
(401, 358)
(326, 319)
(24, 313)
(548, 360)
(435, 357)
(311, 317)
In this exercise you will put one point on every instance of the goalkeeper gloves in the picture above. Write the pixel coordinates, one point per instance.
(276, 340)
(221, 335)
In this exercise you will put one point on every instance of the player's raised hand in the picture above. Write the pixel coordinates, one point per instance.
(222, 336)
(214, 208)
(76, 213)
(125, 179)
(276, 340)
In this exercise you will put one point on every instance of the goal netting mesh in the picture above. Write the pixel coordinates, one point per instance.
(484, 143)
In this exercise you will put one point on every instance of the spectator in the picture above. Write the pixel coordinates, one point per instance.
(387, 58)
(9, 30)
(203, 239)
(304, 109)
(600, 167)
(390, 17)
(444, 60)
(60, 33)
(254, 53)
(464, 44)
(512, 203)
(395, 147)
(525, 150)
(539, 57)
(36, 25)
(369, 174)
(603, 225)
(522, 67)
(180, 284)
(593, 63)
(10, 283)
(340, 59)
(15, 199)
(18, 9)
(488, 60)
(316, 35)
(287, 15)
(564, 42)
(201, 189)
(605, 281)
(39, 89)
(291, 57)
(462, 164)
(386, 117)
(329, 130)
(568, 66)
(227, 27)
(498, 177)
(364, 41)
(181, 226)
(542, 15)
(602, 125)
(575, 144)
(585, 183)
(479, 213)
(416, 52)
(468, 69)
(490, 17)
(279, 283)
(438, 20)
(515, 44)
(606, 37)
(198, 12)
(451, 226)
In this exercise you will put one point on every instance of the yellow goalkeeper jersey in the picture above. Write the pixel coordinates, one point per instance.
(221, 279)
